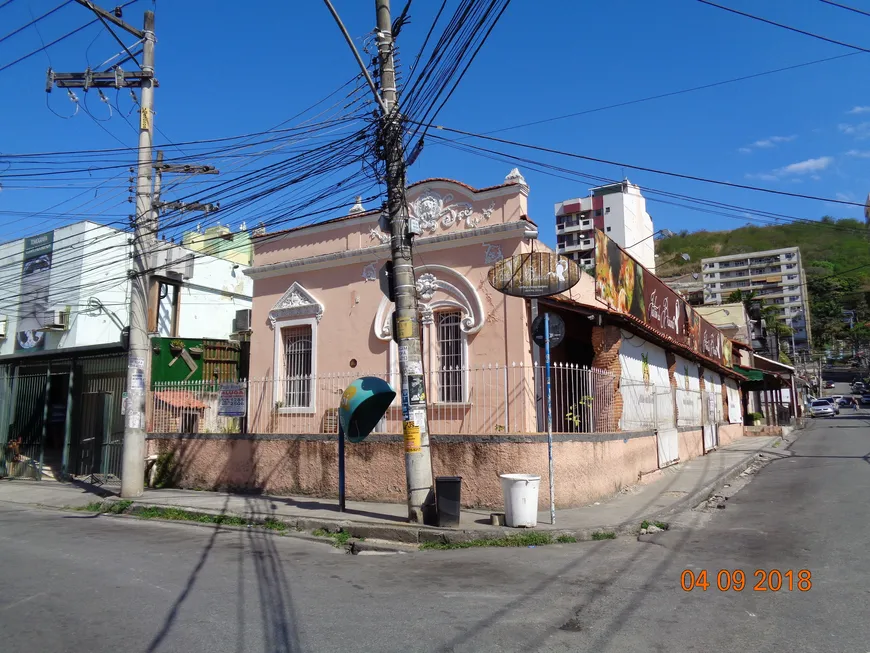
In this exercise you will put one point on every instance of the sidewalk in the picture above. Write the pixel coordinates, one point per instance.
(674, 489)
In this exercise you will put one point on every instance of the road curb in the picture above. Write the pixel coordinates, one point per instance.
(405, 537)
(701, 495)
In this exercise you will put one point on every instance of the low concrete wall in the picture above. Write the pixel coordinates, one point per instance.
(691, 442)
(587, 466)
(585, 469)
(730, 432)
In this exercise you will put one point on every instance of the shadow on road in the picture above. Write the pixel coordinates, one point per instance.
(571, 620)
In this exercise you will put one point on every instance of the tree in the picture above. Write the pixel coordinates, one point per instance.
(745, 297)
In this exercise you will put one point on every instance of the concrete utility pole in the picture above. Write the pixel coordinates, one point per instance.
(133, 462)
(406, 323)
(406, 320)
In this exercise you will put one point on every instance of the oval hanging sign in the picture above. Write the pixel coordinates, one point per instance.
(536, 274)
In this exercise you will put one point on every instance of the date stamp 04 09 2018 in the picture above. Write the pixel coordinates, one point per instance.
(765, 581)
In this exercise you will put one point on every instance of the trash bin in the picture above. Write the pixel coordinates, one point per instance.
(520, 499)
(448, 492)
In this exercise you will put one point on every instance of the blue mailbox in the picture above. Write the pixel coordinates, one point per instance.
(363, 404)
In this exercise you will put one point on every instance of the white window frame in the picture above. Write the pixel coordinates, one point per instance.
(430, 357)
(280, 372)
(431, 343)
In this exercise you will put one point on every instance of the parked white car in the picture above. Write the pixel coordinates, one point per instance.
(821, 408)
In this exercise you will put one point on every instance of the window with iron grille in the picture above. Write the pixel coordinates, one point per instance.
(297, 366)
(451, 356)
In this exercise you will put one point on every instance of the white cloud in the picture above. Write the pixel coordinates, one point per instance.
(860, 154)
(766, 143)
(763, 176)
(856, 110)
(846, 197)
(859, 130)
(810, 166)
(805, 167)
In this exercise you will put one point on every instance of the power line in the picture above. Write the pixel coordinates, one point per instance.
(710, 206)
(786, 27)
(661, 96)
(847, 7)
(647, 169)
(34, 21)
(56, 41)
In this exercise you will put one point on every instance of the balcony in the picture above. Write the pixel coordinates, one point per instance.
(579, 246)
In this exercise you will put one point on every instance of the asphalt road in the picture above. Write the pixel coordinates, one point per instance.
(74, 582)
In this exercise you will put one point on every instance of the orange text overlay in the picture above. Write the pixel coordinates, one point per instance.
(761, 580)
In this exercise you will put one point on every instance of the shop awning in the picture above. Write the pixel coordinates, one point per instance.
(750, 373)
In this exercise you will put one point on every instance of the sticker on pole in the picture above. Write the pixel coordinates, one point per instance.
(412, 437)
(416, 389)
(232, 400)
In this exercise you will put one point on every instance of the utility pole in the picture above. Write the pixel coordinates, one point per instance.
(406, 323)
(406, 318)
(184, 169)
(133, 462)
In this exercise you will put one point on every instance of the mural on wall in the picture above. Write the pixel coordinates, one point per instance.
(626, 286)
(618, 278)
(645, 368)
(665, 310)
(35, 281)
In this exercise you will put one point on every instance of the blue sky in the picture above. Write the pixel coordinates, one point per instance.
(228, 68)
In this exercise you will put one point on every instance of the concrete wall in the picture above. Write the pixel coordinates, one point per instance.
(88, 274)
(585, 470)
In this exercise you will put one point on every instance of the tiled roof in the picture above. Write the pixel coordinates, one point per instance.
(179, 399)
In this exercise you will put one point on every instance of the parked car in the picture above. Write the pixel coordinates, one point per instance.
(834, 404)
(821, 408)
(829, 384)
(865, 398)
(841, 400)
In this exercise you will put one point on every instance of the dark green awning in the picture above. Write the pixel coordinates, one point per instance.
(749, 373)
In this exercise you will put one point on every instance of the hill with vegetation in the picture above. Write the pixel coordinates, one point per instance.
(835, 255)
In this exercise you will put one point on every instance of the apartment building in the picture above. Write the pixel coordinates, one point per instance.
(775, 276)
(619, 210)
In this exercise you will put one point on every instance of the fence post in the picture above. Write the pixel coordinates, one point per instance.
(45, 413)
(67, 426)
(506, 404)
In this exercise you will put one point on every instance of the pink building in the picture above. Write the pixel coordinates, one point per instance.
(320, 319)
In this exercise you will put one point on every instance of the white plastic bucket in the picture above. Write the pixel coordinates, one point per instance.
(520, 499)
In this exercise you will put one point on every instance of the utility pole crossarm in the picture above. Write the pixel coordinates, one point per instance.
(107, 15)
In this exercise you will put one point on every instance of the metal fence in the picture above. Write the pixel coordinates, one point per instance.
(63, 418)
(489, 399)
(479, 400)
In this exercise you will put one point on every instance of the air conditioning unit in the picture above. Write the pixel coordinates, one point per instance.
(56, 320)
(3, 323)
(243, 320)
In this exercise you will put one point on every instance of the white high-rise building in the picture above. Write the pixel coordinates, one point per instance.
(619, 210)
(776, 277)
